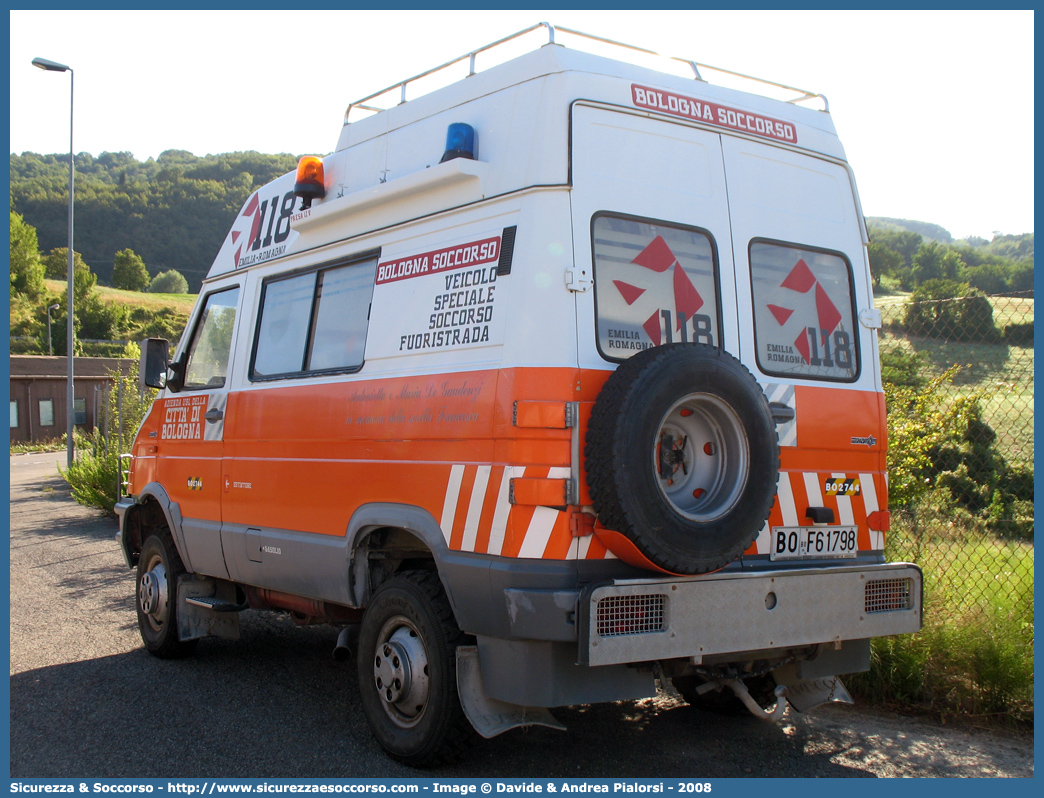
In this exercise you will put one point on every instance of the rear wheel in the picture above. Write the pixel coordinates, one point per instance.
(408, 671)
(157, 602)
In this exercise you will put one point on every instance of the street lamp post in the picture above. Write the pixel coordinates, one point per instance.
(53, 66)
(55, 306)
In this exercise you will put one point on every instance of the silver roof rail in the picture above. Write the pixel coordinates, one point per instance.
(695, 66)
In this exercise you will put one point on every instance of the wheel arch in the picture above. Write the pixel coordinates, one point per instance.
(382, 537)
(152, 506)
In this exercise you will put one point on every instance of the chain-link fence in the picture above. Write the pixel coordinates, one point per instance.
(958, 367)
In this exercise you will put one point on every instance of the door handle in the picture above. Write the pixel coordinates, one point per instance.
(782, 413)
(213, 415)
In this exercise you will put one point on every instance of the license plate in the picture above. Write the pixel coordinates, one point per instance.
(813, 542)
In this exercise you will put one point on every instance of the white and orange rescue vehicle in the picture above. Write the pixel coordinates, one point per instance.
(547, 385)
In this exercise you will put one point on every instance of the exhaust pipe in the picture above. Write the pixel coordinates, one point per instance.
(347, 640)
(769, 715)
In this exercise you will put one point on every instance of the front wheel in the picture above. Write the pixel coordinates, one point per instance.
(407, 671)
(157, 597)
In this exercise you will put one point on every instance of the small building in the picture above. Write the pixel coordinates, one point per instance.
(39, 390)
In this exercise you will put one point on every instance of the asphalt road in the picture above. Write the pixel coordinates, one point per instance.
(88, 701)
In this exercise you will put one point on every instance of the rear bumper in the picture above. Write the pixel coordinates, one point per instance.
(639, 620)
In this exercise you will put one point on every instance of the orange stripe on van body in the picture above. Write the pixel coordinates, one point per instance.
(829, 418)
(343, 444)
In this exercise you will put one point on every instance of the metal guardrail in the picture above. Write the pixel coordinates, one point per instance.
(362, 104)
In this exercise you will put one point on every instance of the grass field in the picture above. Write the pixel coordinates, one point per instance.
(180, 302)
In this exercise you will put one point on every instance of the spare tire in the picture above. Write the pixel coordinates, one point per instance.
(682, 457)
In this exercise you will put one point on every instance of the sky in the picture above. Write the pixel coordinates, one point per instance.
(934, 108)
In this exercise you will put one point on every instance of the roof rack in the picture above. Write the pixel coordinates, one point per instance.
(695, 66)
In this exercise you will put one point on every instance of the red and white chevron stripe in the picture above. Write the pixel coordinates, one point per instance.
(477, 515)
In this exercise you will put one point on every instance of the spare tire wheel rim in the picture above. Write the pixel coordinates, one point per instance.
(701, 457)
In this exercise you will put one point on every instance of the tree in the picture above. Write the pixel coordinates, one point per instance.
(84, 280)
(92, 317)
(95, 474)
(1022, 276)
(129, 272)
(122, 202)
(935, 261)
(169, 282)
(883, 261)
(56, 264)
(905, 242)
(27, 270)
(989, 278)
(85, 299)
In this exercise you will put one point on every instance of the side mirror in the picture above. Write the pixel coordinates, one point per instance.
(155, 358)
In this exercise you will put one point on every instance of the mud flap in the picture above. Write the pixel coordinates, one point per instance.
(807, 694)
(195, 620)
(489, 716)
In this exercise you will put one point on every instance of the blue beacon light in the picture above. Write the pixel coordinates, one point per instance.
(460, 142)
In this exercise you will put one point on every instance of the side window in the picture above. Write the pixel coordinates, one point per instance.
(314, 322)
(803, 317)
(286, 311)
(655, 283)
(208, 354)
(14, 413)
(341, 316)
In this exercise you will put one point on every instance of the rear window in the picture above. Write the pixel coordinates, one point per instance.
(803, 312)
(655, 283)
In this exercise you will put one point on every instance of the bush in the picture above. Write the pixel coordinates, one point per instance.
(95, 475)
(902, 367)
(169, 282)
(164, 323)
(921, 421)
(100, 320)
(939, 446)
(952, 311)
(1019, 334)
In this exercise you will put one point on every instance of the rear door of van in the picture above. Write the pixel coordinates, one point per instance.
(651, 229)
(651, 219)
(803, 285)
